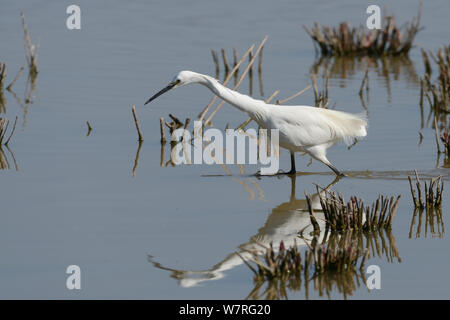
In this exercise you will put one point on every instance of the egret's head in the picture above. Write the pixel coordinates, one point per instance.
(181, 79)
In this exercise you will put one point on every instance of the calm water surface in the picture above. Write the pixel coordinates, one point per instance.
(72, 199)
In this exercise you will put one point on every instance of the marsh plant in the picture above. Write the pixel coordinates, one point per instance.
(430, 195)
(354, 215)
(344, 40)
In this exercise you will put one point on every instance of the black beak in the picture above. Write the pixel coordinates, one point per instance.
(170, 86)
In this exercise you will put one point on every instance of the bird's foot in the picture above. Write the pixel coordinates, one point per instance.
(336, 171)
(279, 174)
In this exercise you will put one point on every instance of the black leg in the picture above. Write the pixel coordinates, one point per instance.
(293, 171)
(336, 171)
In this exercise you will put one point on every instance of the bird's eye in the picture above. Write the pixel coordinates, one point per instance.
(177, 81)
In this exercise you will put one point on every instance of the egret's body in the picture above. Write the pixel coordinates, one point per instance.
(304, 129)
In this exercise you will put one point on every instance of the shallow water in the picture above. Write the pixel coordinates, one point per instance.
(72, 199)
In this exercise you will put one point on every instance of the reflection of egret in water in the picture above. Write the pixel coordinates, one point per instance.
(434, 223)
(283, 224)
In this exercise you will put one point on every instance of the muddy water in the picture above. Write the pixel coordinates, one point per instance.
(68, 198)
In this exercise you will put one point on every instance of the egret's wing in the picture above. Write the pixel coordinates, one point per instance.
(308, 126)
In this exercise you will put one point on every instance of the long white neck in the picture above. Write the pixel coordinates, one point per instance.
(257, 109)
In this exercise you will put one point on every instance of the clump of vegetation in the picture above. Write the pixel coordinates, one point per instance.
(431, 195)
(345, 40)
(341, 215)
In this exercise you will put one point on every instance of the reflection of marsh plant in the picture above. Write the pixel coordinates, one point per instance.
(344, 40)
(386, 68)
(337, 265)
(434, 222)
(334, 262)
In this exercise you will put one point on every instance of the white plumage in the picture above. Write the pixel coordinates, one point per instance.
(301, 128)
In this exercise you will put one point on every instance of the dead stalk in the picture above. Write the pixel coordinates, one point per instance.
(136, 122)
(161, 128)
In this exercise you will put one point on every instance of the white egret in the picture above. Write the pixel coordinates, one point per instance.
(305, 129)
